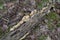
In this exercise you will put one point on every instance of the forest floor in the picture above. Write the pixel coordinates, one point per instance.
(48, 29)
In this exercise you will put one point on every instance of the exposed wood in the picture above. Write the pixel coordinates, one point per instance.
(27, 26)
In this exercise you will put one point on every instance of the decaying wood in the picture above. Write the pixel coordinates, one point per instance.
(27, 26)
(14, 9)
(24, 19)
(24, 36)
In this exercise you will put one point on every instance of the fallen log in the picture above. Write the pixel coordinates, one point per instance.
(27, 26)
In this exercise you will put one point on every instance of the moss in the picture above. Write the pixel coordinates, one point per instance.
(45, 1)
(42, 37)
(58, 25)
(40, 5)
(52, 16)
(50, 26)
(1, 5)
(1, 32)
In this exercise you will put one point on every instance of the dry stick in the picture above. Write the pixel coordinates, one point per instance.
(24, 36)
(26, 27)
(24, 19)
(28, 32)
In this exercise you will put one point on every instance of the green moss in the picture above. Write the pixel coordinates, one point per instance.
(1, 5)
(50, 26)
(40, 5)
(42, 37)
(1, 32)
(52, 16)
(58, 25)
(45, 0)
